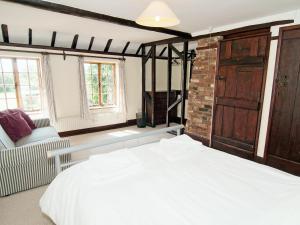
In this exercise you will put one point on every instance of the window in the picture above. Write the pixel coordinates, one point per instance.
(20, 84)
(100, 84)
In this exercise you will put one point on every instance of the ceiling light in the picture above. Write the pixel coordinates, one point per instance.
(158, 14)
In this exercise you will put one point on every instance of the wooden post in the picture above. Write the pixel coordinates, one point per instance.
(153, 86)
(143, 82)
(183, 80)
(169, 83)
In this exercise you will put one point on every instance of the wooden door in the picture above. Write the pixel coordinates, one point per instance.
(239, 93)
(283, 148)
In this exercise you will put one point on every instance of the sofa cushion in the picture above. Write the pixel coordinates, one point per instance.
(37, 135)
(25, 116)
(15, 125)
(5, 141)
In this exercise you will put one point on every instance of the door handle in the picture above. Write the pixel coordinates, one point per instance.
(220, 77)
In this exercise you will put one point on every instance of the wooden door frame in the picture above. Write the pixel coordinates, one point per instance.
(274, 87)
(266, 62)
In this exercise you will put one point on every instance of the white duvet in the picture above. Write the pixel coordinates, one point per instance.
(174, 182)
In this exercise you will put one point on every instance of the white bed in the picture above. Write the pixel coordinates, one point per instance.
(175, 182)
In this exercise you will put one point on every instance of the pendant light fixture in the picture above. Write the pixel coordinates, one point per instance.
(158, 14)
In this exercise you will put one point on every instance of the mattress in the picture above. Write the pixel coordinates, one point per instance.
(174, 182)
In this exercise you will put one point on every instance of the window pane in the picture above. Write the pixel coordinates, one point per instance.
(36, 102)
(3, 104)
(32, 66)
(10, 91)
(12, 103)
(94, 69)
(87, 69)
(2, 92)
(104, 99)
(26, 103)
(22, 65)
(9, 78)
(7, 65)
(25, 90)
(23, 77)
(34, 79)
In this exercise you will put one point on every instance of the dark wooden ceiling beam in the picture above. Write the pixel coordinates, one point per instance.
(221, 33)
(125, 48)
(163, 51)
(5, 35)
(74, 42)
(59, 8)
(139, 49)
(91, 43)
(106, 49)
(53, 39)
(30, 36)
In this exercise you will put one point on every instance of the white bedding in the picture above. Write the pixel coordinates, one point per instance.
(174, 182)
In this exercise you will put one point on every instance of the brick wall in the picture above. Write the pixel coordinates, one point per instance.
(201, 89)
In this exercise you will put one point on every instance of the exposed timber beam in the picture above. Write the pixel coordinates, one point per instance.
(139, 49)
(64, 9)
(125, 48)
(221, 33)
(107, 45)
(163, 51)
(53, 39)
(91, 43)
(74, 42)
(30, 36)
(5, 33)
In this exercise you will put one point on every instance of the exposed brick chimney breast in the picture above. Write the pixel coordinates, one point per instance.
(201, 89)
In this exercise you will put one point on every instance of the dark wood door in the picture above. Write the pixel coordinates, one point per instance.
(238, 94)
(283, 147)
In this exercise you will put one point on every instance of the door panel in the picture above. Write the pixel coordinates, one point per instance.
(283, 147)
(238, 94)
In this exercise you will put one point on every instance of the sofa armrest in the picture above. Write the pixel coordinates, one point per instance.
(32, 152)
(43, 122)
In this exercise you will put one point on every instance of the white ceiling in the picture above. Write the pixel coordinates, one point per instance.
(195, 15)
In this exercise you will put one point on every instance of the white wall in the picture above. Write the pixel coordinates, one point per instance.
(66, 88)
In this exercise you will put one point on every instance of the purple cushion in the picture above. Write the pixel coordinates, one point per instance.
(25, 116)
(15, 125)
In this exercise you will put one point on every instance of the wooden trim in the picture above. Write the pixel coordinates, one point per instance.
(284, 164)
(5, 35)
(204, 141)
(153, 84)
(125, 48)
(30, 36)
(274, 38)
(53, 39)
(259, 159)
(97, 129)
(139, 49)
(91, 43)
(222, 33)
(42, 47)
(162, 51)
(108, 45)
(68, 10)
(74, 42)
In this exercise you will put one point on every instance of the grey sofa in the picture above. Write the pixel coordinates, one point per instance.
(24, 164)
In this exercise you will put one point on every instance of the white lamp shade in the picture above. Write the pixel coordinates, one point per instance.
(158, 14)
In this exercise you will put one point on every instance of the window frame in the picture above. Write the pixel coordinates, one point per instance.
(17, 85)
(115, 96)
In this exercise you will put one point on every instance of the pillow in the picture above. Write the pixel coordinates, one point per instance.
(25, 116)
(15, 125)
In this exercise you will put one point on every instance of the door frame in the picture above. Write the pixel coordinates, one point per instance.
(266, 62)
(274, 87)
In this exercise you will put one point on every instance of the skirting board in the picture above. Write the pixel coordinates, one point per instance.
(97, 129)
(198, 138)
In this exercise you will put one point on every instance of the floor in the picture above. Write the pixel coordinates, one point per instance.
(23, 208)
